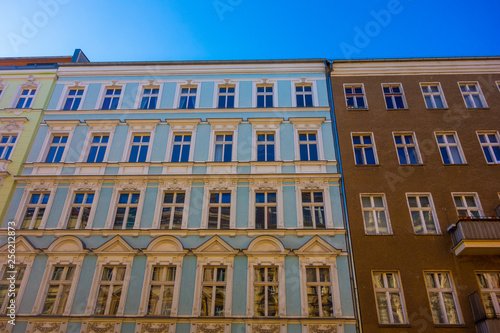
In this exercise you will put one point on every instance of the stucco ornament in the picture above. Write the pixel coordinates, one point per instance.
(210, 328)
(160, 328)
(266, 328)
(104, 328)
(11, 125)
(46, 327)
(323, 329)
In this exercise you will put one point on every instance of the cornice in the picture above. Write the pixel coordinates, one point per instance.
(21, 74)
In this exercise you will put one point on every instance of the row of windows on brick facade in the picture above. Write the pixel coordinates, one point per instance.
(432, 93)
(408, 152)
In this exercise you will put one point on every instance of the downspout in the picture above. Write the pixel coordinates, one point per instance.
(354, 287)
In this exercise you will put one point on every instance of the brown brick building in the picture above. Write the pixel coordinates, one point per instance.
(420, 148)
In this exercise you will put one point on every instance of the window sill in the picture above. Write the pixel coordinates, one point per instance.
(391, 234)
(411, 165)
(456, 164)
(423, 235)
(367, 165)
(402, 109)
(394, 325)
(358, 109)
(450, 325)
(477, 109)
(439, 109)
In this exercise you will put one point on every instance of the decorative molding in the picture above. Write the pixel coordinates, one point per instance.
(30, 83)
(266, 328)
(322, 328)
(94, 327)
(46, 328)
(12, 124)
(266, 184)
(176, 184)
(42, 185)
(210, 328)
(220, 184)
(149, 328)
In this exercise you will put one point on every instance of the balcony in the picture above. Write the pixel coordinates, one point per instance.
(484, 323)
(476, 236)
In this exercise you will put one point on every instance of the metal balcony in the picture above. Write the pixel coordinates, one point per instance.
(484, 323)
(476, 236)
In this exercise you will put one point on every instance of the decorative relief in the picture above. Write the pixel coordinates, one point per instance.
(131, 185)
(30, 82)
(265, 184)
(3, 327)
(46, 327)
(312, 184)
(210, 328)
(86, 186)
(42, 186)
(266, 328)
(154, 328)
(220, 184)
(176, 185)
(100, 328)
(323, 328)
(12, 125)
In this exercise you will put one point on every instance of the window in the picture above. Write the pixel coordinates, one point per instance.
(355, 97)
(394, 98)
(472, 95)
(448, 144)
(73, 100)
(265, 97)
(223, 147)
(265, 210)
(110, 290)
(422, 213)
(226, 97)
(490, 142)
(406, 148)
(162, 291)
(139, 148)
(442, 298)
(149, 98)
(111, 98)
(266, 291)
(98, 148)
(58, 290)
(308, 146)
(265, 146)
(80, 210)
(489, 282)
(126, 210)
(389, 298)
(313, 210)
(5, 285)
(219, 210)
(188, 98)
(181, 147)
(35, 210)
(304, 96)
(319, 292)
(364, 149)
(7, 143)
(467, 205)
(433, 96)
(375, 214)
(56, 148)
(172, 209)
(26, 98)
(213, 293)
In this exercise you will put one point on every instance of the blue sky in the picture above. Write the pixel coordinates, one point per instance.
(249, 29)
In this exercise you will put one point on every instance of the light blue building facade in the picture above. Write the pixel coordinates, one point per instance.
(182, 197)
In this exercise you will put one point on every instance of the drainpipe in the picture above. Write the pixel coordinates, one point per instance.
(354, 288)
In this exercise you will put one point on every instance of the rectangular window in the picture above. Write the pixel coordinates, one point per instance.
(389, 298)
(226, 97)
(111, 98)
(449, 147)
(442, 298)
(467, 205)
(394, 98)
(219, 210)
(422, 213)
(5, 285)
(26, 98)
(188, 98)
(406, 148)
(308, 146)
(98, 148)
(139, 148)
(56, 148)
(364, 149)
(223, 148)
(490, 142)
(126, 210)
(73, 100)
(7, 143)
(266, 292)
(58, 290)
(355, 97)
(313, 210)
(265, 210)
(265, 146)
(213, 291)
(304, 96)
(149, 98)
(172, 209)
(433, 96)
(80, 210)
(489, 282)
(162, 291)
(181, 147)
(472, 95)
(35, 210)
(265, 97)
(375, 215)
(319, 292)
(110, 290)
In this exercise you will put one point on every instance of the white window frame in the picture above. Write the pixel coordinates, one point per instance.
(266, 126)
(126, 187)
(57, 127)
(98, 127)
(493, 292)
(187, 84)
(226, 83)
(469, 93)
(373, 145)
(151, 84)
(355, 85)
(49, 187)
(181, 127)
(308, 125)
(3, 88)
(432, 94)
(12, 126)
(391, 85)
(431, 209)
(226, 94)
(30, 83)
(476, 200)
(268, 83)
(221, 127)
(269, 186)
(65, 94)
(441, 290)
(447, 145)
(372, 209)
(405, 147)
(102, 95)
(8, 144)
(318, 185)
(88, 187)
(215, 186)
(387, 291)
(179, 186)
(489, 145)
(139, 127)
(305, 82)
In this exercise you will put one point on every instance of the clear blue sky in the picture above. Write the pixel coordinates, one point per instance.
(249, 29)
